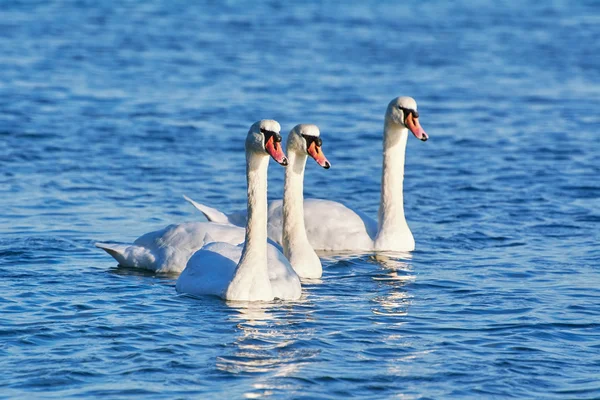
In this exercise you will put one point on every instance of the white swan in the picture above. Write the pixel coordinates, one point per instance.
(303, 140)
(331, 226)
(169, 249)
(231, 272)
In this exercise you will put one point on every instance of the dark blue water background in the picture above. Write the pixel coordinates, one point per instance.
(110, 110)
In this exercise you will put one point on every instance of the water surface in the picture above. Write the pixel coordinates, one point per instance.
(110, 111)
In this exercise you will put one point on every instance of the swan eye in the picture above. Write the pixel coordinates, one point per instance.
(311, 139)
(408, 111)
(267, 133)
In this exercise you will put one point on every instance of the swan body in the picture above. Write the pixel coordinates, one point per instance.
(331, 226)
(253, 271)
(353, 229)
(196, 280)
(168, 250)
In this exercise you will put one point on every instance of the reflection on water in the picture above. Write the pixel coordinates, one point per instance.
(392, 261)
(256, 313)
(265, 343)
(140, 272)
(395, 274)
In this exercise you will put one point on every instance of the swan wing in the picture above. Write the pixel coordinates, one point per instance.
(129, 255)
(237, 218)
(330, 226)
(284, 280)
(211, 214)
(210, 270)
(168, 250)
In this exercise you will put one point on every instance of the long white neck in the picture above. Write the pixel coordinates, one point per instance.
(251, 278)
(394, 233)
(296, 246)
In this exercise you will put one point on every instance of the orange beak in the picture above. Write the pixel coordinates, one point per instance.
(275, 151)
(317, 153)
(414, 126)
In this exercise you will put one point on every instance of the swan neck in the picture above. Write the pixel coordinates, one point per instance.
(296, 246)
(293, 202)
(254, 254)
(391, 209)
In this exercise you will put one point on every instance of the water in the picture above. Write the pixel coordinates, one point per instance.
(109, 111)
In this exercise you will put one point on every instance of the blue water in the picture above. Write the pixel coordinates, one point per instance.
(109, 111)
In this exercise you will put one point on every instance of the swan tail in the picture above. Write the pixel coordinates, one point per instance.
(211, 214)
(129, 256)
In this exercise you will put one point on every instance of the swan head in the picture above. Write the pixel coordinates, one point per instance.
(306, 139)
(264, 137)
(403, 111)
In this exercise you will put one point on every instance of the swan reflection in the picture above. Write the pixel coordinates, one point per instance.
(269, 342)
(395, 273)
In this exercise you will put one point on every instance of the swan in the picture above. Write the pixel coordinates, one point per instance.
(168, 250)
(245, 273)
(303, 140)
(331, 226)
